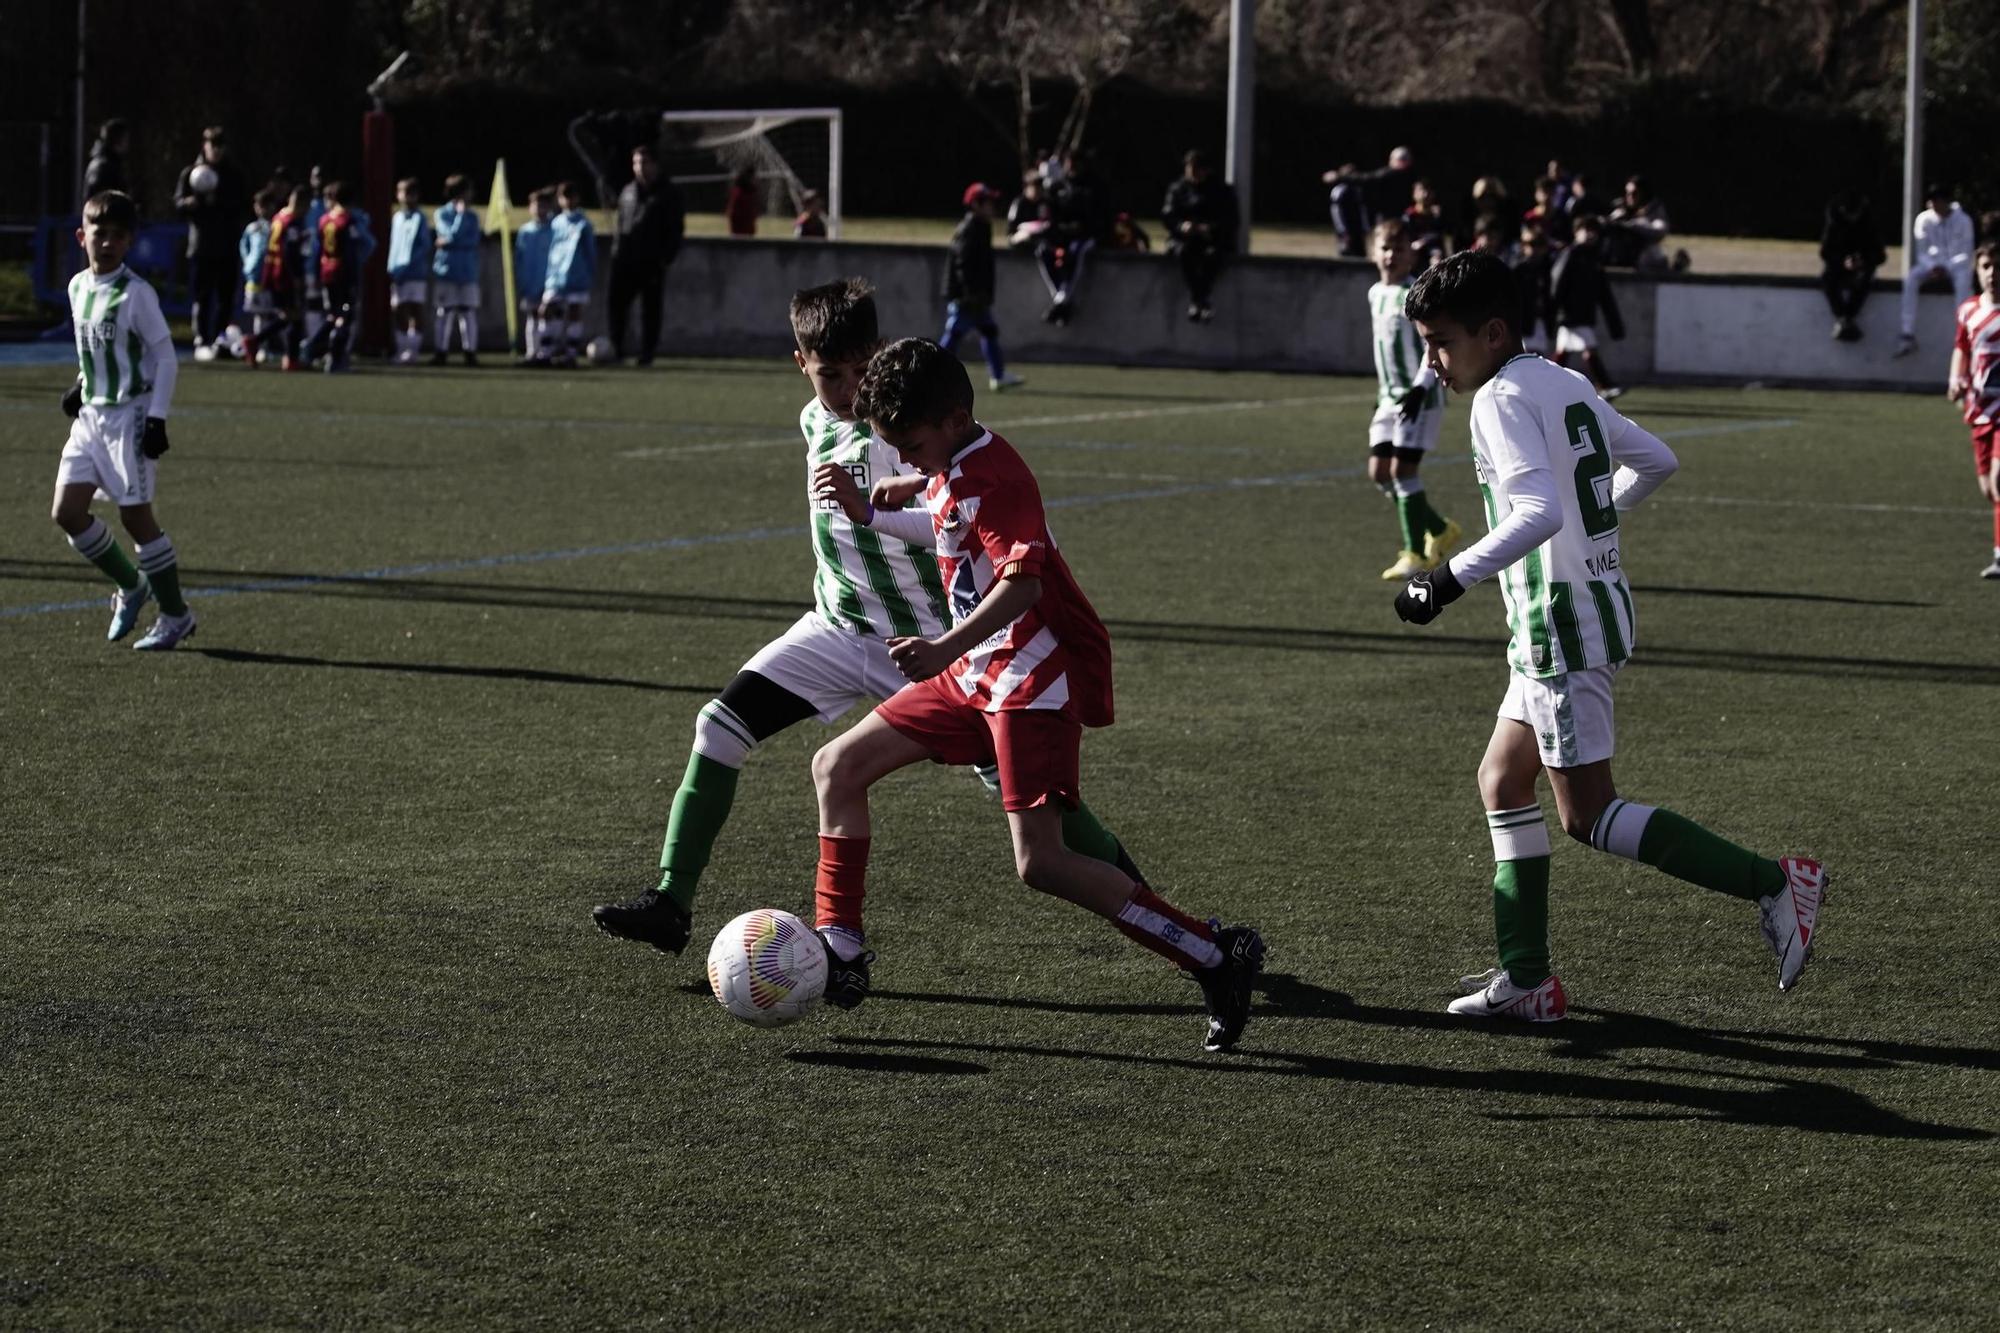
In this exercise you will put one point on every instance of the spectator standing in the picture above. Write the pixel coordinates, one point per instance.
(1201, 217)
(215, 215)
(1578, 290)
(412, 245)
(740, 208)
(969, 285)
(1942, 238)
(107, 160)
(651, 223)
(1357, 200)
(1850, 250)
(810, 225)
(1636, 232)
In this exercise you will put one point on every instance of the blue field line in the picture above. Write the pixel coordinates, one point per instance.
(747, 535)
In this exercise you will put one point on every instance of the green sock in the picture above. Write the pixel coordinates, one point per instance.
(1686, 850)
(1410, 510)
(1521, 918)
(100, 548)
(1082, 833)
(167, 588)
(701, 807)
(1434, 522)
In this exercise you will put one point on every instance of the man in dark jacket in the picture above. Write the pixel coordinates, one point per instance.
(107, 160)
(968, 284)
(1079, 221)
(1578, 289)
(215, 216)
(651, 222)
(1850, 248)
(1201, 215)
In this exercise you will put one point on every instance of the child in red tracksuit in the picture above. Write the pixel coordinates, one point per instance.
(1975, 383)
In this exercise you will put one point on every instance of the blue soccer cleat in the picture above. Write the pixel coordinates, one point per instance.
(125, 608)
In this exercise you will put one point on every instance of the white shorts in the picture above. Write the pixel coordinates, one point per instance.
(831, 669)
(1570, 714)
(409, 291)
(1575, 339)
(103, 451)
(457, 295)
(1388, 427)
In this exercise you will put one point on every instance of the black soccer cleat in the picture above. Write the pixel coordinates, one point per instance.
(846, 983)
(1225, 988)
(651, 918)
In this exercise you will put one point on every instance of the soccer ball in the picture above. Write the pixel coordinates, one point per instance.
(767, 968)
(203, 178)
(602, 353)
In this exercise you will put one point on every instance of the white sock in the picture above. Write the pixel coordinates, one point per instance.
(531, 335)
(1518, 834)
(846, 944)
(1407, 486)
(468, 330)
(1619, 829)
(443, 340)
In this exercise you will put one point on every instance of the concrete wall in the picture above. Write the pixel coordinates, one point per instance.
(729, 298)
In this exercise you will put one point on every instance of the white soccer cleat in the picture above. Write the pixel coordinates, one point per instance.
(1008, 381)
(1790, 917)
(166, 633)
(1992, 571)
(1494, 995)
(125, 608)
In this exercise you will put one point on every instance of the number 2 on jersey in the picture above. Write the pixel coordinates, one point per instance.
(1599, 517)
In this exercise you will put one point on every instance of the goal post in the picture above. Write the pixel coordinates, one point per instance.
(790, 150)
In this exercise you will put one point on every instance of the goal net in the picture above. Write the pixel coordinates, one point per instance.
(785, 154)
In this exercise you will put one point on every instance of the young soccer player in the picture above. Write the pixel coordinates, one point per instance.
(344, 246)
(968, 284)
(119, 405)
(258, 302)
(531, 270)
(867, 587)
(572, 269)
(285, 267)
(1578, 290)
(1024, 668)
(1409, 409)
(1558, 466)
(1975, 383)
(455, 265)
(412, 244)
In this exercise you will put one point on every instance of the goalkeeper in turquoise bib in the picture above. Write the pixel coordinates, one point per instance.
(118, 433)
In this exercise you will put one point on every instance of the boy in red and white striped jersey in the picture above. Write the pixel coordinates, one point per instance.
(1024, 668)
(1975, 383)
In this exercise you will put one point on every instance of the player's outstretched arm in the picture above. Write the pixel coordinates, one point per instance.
(1644, 463)
(1536, 517)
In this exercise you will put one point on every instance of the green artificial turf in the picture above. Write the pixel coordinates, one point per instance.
(304, 1023)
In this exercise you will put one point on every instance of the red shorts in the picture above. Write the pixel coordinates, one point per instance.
(1985, 444)
(1035, 748)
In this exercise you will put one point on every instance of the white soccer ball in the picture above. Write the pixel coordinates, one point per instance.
(203, 178)
(602, 353)
(767, 968)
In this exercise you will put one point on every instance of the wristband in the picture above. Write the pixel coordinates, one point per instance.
(870, 520)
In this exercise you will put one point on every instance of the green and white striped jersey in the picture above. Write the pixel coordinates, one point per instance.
(1540, 430)
(866, 582)
(1399, 352)
(123, 348)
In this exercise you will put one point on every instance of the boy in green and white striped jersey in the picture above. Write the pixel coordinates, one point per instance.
(867, 588)
(124, 386)
(1409, 409)
(1558, 466)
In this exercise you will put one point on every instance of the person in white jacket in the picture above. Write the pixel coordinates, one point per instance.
(1942, 237)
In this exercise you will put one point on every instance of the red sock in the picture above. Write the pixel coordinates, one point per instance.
(841, 883)
(1169, 932)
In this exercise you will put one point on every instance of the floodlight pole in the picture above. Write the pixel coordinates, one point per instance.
(1913, 133)
(1242, 108)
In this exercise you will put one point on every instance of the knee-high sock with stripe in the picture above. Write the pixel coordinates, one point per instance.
(1521, 892)
(96, 544)
(722, 741)
(162, 565)
(1685, 850)
(1157, 924)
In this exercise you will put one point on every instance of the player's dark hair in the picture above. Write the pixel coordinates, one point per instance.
(112, 128)
(1587, 222)
(456, 186)
(267, 201)
(300, 201)
(568, 190)
(1468, 288)
(547, 194)
(112, 208)
(215, 134)
(1195, 158)
(912, 382)
(836, 321)
(333, 191)
(411, 181)
(1990, 250)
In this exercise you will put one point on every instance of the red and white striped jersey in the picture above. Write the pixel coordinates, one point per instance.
(986, 510)
(1979, 340)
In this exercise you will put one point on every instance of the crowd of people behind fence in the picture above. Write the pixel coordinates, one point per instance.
(295, 267)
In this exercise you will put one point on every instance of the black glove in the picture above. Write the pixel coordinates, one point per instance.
(1424, 598)
(154, 442)
(73, 400)
(1412, 403)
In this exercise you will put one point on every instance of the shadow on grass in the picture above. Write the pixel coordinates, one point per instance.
(869, 1062)
(1776, 1102)
(1771, 595)
(532, 674)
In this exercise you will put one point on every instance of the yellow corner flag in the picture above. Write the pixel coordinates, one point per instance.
(499, 218)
